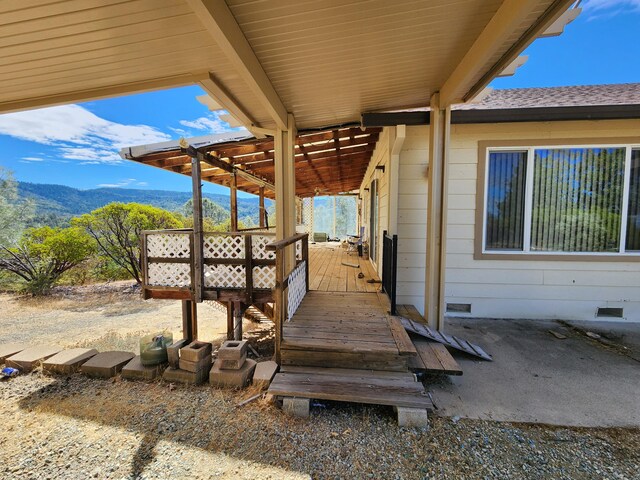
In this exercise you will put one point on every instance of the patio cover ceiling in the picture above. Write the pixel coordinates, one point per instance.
(325, 62)
(326, 162)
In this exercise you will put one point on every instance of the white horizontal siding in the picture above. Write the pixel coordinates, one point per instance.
(571, 290)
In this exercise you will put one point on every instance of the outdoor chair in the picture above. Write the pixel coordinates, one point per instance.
(355, 242)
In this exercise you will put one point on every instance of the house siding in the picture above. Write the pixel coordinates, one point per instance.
(571, 290)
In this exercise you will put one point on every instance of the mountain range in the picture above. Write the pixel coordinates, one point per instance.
(62, 201)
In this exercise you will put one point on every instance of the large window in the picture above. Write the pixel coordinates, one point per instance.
(562, 200)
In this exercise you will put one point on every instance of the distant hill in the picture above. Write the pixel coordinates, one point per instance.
(66, 202)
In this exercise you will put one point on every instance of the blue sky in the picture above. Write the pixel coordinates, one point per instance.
(77, 145)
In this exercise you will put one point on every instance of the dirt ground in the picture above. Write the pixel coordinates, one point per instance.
(75, 427)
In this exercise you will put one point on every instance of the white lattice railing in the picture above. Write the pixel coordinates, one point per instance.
(296, 288)
(167, 258)
(236, 261)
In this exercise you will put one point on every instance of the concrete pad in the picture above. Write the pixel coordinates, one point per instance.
(31, 357)
(232, 350)
(68, 361)
(236, 364)
(173, 352)
(298, 407)
(538, 378)
(231, 378)
(195, 351)
(182, 376)
(264, 373)
(106, 364)
(412, 417)
(9, 349)
(202, 364)
(135, 370)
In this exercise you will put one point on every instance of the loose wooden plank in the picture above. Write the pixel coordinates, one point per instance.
(402, 340)
(449, 364)
(447, 340)
(436, 358)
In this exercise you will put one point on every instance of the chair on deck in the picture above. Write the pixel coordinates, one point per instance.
(355, 241)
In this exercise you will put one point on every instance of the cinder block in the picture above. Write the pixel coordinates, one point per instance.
(135, 370)
(298, 407)
(412, 417)
(195, 351)
(182, 376)
(106, 364)
(202, 364)
(232, 350)
(68, 361)
(264, 373)
(231, 378)
(9, 349)
(226, 364)
(173, 352)
(31, 357)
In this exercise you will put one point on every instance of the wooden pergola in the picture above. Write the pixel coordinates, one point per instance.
(327, 162)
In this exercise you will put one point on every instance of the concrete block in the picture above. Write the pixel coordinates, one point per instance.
(412, 417)
(31, 357)
(9, 349)
(106, 364)
(135, 370)
(233, 350)
(231, 378)
(298, 407)
(173, 352)
(264, 373)
(227, 364)
(202, 364)
(182, 376)
(68, 361)
(196, 351)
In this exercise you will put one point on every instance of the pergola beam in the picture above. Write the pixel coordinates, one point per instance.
(462, 84)
(223, 27)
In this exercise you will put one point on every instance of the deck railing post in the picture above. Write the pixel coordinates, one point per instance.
(248, 266)
(279, 302)
(305, 258)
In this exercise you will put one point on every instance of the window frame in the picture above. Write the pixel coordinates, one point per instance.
(484, 150)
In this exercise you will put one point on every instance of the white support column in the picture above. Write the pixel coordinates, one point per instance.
(284, 145)
(439, 129)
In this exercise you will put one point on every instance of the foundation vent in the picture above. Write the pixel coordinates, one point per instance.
(458, 308)
(610, 312)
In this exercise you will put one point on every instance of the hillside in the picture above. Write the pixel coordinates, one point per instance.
(65, 202)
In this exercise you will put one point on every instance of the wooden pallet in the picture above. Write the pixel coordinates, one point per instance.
(433, 357)
(351, 385)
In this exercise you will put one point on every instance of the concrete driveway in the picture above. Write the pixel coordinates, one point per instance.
(536, 377)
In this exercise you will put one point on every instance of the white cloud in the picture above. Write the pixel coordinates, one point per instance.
(210, 124)
(78, 134)
(613, 6)
(33, 159)
(127, 182)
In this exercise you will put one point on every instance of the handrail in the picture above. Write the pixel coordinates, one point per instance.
(280, 244)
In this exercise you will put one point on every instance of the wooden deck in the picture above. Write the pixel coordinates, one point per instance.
(344, 346)
(328, 274)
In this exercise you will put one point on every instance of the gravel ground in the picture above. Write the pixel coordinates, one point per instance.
(74, 427)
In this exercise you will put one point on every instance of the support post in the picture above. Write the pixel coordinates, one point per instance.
(198, 240)
(439, 135)
(238, 313)
(234, 203)
(333, 228)
(263, 218)
(284, 143)
(229, 320)
(189, 320)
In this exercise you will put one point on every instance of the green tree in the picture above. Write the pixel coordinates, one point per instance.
(14, 213)
(210, 209)
(116, 228)
(44, 254)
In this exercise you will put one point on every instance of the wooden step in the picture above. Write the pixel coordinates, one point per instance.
(375, 360)
(352, 385)
(433, 357)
